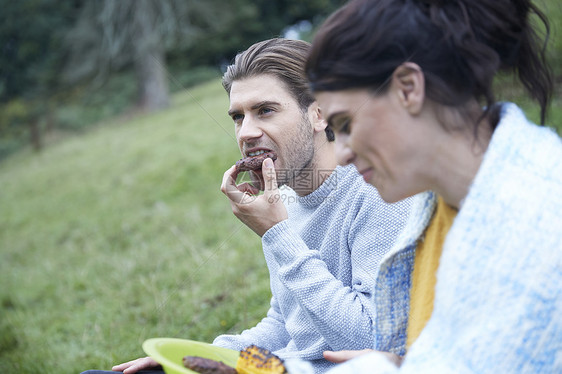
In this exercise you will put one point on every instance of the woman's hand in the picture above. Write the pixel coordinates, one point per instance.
(342, 356)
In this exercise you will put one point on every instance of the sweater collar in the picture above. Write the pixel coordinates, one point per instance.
(318, 196)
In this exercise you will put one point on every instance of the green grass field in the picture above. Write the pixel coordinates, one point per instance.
(121, 234)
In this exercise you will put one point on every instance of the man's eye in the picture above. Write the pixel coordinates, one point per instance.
(265, 110)
(237, 117)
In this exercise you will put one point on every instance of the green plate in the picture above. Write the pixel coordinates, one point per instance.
(169, 353)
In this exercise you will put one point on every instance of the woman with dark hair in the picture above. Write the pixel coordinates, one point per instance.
(474, 282)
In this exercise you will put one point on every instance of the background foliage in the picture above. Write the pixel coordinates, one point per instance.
(58, 56)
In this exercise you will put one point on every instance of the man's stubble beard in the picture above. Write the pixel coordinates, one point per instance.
(300, 154)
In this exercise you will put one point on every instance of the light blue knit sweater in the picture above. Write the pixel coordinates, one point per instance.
(323, 262)
(498, 297)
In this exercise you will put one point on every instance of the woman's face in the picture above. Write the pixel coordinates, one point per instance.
(379, 136)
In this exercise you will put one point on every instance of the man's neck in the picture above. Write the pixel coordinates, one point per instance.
(320, 168)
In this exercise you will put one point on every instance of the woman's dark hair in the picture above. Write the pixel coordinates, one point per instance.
(460, 45)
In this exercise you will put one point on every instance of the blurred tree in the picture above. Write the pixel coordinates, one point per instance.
(31, 56)
(42, 39)
(109, 35)
(31, 51)
(250, 21)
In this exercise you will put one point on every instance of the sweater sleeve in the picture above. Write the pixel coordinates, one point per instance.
(269, 333)
(342, 314)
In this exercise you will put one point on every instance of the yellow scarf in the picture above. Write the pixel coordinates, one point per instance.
(428, 253)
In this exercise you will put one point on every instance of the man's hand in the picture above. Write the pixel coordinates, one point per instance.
(258, 212)
(136, 365)
(342, 356)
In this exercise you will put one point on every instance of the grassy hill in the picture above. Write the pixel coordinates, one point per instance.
(122, 234)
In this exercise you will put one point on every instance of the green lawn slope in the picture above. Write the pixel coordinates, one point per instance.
(122, 234)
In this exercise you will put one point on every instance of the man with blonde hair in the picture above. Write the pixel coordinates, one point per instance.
(322, 247)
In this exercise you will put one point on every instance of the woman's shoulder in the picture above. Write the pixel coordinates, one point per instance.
(521, 157)
(524, 143)
(518, 188)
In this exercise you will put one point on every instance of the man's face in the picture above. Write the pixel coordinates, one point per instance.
(268, 118)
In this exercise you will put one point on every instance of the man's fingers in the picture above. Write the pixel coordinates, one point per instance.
(239, 194)
(124, 365)
(136, 365)
(229, 179)
(145, 363)
(228, 186)
(269, 176)
(248, 188)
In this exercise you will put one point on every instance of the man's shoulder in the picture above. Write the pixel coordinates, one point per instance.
(356, 194)
(351, 184)
(352, 187)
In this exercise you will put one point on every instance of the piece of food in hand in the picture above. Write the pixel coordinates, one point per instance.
(207, 366)
(255, 360)
(254, 162)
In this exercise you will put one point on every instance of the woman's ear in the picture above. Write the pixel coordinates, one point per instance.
(316, 118)
(408, 82)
